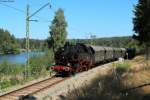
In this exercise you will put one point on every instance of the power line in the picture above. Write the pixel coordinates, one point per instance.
(7, 1)
(12, 8)
(22, 11)
(43, 20)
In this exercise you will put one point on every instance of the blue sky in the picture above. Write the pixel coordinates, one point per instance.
(103, 18)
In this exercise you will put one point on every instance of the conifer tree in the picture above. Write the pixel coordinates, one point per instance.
(141, 23)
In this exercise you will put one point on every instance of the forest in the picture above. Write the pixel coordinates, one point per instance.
(10, 44)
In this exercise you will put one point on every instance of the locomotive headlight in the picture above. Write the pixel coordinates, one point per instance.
(51, 67)
(66, 68)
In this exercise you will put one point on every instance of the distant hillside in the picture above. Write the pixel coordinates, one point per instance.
(125, 41)
(35, 44)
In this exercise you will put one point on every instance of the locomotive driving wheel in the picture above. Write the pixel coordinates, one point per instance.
(87, 66)
(79, 66)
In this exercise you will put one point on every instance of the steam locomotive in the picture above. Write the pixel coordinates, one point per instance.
(72, 59)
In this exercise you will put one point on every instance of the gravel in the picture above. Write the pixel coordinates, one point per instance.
(60, 90)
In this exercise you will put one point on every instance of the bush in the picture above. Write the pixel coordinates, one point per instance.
(10, 74)
(121, 67)
(5, 84)
(10, 69)
(38, 64)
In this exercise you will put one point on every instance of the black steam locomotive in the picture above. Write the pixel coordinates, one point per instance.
(72, 59)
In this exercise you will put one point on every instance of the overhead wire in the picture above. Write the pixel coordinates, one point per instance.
(43, 20)
(13, 8)
(22, 11)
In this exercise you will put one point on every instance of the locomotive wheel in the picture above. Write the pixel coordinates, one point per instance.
(79, 68)
(87, 66)
(90, 64)
(83, 66)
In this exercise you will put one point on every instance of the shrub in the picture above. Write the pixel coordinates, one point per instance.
(10, 69)
(121, 67)
(5, 84)
(38, 64)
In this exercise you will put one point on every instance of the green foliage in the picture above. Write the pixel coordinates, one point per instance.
(13, 74)
(58, 33)
(8, 43)
(123, 42)
(121, 67)
(141, 21)
(5, 84)
(38, 64)
(10, 74)
(9, 69)
(35, 44)
(124, 65)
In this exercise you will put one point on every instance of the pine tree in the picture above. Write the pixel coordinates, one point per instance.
(141, 23)
(58, 33)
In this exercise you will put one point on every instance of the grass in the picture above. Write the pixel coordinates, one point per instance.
(14, 74)
(114, 85)
(124, 65)
(11, 74)
(101, 88)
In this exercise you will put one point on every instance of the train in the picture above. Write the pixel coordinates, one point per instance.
(74, 58)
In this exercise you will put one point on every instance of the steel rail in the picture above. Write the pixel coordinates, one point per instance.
(32, 88)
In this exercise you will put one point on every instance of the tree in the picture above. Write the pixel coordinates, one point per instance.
(141, 23)
(58, 33)
(8, 43)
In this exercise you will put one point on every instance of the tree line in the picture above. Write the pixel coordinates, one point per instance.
(35, 44)
(8, 43)
(11, 45)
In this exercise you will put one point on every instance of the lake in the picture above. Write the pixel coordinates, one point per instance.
(19, 58)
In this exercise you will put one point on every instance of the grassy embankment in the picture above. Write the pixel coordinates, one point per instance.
(129, 80)
(14, 74)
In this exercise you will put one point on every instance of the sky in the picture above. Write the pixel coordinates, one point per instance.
(102, 18)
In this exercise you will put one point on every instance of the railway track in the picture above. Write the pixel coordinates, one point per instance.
(28, 91)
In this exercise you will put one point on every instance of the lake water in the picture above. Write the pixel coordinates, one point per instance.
(19, 58)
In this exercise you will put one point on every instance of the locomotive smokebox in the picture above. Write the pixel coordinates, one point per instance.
(77, 57)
